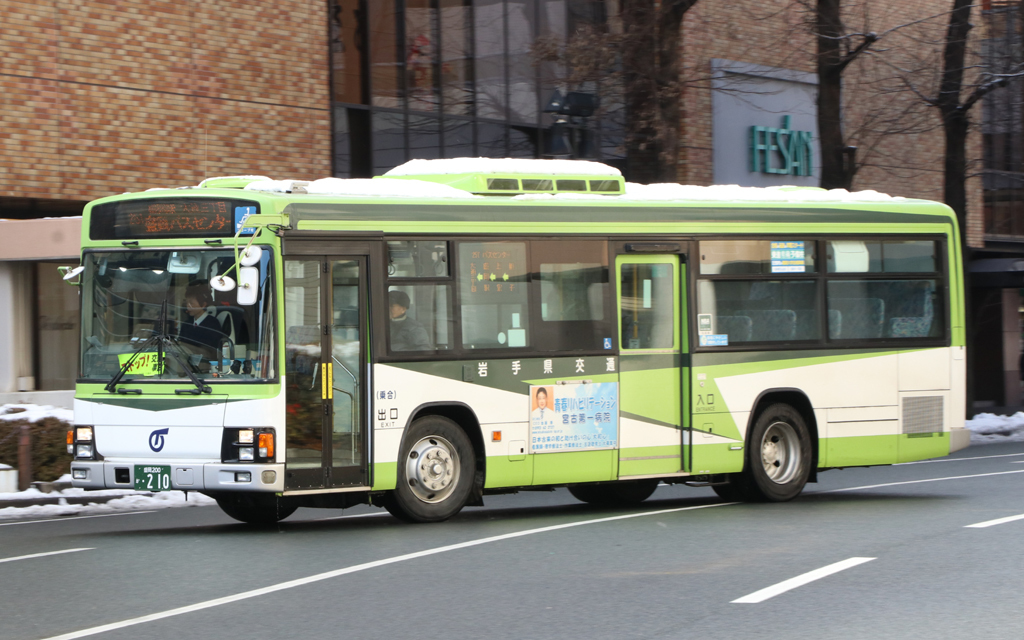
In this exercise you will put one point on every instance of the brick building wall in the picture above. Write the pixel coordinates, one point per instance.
(899, 139)
(102, 97)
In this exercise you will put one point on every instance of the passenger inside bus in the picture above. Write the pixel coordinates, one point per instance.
(406, 333)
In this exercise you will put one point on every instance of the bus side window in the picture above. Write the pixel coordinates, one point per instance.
(493, 295)
(570, 294)
(420, 317)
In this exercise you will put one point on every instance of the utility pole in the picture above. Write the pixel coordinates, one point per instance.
(25, 458)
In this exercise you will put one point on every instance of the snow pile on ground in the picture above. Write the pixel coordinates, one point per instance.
(34, 413)
(987, 428)
(128, 501)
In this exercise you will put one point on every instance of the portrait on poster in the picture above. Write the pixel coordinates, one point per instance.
(542, 413)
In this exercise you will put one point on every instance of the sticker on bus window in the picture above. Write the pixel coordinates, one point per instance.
(574, 417)
(788, 256)
(146, 364)
(715, 340)
(704, 324)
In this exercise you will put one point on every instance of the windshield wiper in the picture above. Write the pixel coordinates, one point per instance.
(162, 339)
(201, 387)
(112, 385)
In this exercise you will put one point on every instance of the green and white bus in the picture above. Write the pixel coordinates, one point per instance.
(463, 327)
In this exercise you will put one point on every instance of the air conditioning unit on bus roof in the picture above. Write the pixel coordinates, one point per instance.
(512, 176)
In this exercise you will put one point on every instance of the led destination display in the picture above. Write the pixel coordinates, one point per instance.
(169, 218)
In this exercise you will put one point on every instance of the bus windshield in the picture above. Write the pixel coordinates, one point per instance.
(128, 297)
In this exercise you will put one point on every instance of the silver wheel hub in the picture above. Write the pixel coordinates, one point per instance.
(780, 452)
(432, 469)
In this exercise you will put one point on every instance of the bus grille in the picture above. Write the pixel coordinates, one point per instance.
(922, 416)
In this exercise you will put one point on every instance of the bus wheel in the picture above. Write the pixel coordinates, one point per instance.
(779, 449)
(255, 508)
(614, 494)
(436, 470)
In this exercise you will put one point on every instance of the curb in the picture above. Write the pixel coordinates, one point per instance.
(31, 502)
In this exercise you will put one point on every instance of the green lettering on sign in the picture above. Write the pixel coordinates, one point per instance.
(781, 151)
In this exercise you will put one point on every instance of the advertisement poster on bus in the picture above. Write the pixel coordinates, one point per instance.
(574, 417)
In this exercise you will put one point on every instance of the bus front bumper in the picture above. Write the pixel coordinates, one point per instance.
(185, 476)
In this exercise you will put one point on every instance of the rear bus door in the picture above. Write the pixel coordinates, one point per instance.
(652, 372)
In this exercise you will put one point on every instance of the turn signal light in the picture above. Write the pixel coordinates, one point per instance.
(71, 442)
(266, 445)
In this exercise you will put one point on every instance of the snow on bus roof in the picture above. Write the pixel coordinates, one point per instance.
(503, 166)
(669, 192)
(364, 187)
(219, 178)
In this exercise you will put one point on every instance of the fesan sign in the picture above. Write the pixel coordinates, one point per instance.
(781, 151)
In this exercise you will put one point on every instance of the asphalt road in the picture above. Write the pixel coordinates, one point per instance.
(895, 542)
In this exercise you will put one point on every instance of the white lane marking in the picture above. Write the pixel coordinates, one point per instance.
(799, 581)
(358, 515)
(893, 484)
(992, 523)
(102, 515)
(1002, 455)
(291, 584)
(48, 553)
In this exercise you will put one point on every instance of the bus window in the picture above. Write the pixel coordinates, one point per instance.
(865, 309)
(420, 317)
(755, 257)
(571, 294)
(492, 289)
(417, 259)
(761, 310)
(888, 256)
(648, 302)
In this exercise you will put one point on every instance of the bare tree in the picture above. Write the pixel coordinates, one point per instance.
(636, 64)
(836, 50)
(650, 56)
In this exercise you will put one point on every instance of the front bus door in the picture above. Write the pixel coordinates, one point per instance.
(652, 373)
(325, 310)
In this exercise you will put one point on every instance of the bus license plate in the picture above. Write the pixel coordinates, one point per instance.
(152, 477)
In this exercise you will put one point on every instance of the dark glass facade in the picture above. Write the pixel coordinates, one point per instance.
(1003, 125)
(456, 78)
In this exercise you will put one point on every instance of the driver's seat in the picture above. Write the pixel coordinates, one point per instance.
(227, 325)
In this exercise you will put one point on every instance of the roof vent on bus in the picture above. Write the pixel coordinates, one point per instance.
(229, 182)
(514, 176)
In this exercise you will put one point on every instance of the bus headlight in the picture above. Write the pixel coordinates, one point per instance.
(83, 434)
(249, 444)
(83, 451)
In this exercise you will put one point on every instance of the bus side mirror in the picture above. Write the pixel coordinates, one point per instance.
(69, 273)
(248, 285)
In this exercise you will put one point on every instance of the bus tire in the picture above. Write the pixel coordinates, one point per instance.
(779, 454)
(436, 471)
(614, 494)
(255, 508)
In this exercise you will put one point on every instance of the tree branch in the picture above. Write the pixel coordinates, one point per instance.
(869, 39)
(988, 87)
